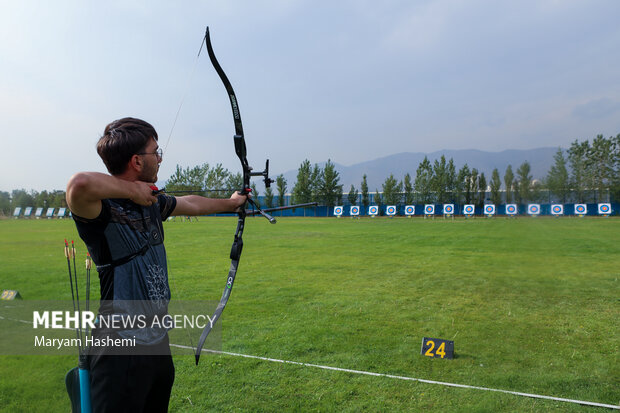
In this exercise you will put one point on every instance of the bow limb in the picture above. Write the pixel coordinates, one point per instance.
(239, 138)
(237, 246)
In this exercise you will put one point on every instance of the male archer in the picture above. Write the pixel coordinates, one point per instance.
(120, 220)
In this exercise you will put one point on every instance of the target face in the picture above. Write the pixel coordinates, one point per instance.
(448, 209)
(373, 210)
(338, 211)
(581, 209)
(511, 209)
(469, 209)
(390, 210)
(429, 209)
(355, 210)
(533, 209)
(409, 210)
(604, 209)
(489, 209)
(557, 209)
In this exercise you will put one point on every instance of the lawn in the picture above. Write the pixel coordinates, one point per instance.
(531, 303)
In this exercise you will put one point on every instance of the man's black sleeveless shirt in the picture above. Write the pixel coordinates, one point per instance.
(126, 244)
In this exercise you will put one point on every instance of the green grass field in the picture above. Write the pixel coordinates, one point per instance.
(532, 305)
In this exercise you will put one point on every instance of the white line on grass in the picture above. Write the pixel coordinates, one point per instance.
(391, 376)
(14, 319)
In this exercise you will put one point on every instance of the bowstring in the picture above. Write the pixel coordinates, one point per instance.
(187, 89)
(176, 117)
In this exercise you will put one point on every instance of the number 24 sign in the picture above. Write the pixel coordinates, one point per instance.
(437, 347)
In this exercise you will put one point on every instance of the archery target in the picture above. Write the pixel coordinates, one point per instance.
(429, 209)
(557, 209)
(489, 209)
(373, 210)
(448, 209)
(337, 211)
(469, 209)
(604, 209)
(581, 209)
(355, 210)
(390, 210)
(511, 209)
(533, 209)
(409, 210)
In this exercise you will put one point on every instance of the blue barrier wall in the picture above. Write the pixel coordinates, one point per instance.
(500, 210)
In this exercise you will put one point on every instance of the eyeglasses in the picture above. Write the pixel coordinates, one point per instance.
(159, 153)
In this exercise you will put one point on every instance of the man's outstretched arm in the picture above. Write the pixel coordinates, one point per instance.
(192, 205)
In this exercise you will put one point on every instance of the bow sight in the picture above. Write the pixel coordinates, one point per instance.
(240, 145)
(241, 153)
(265, 174)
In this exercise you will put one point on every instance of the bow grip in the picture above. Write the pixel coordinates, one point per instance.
(235, 250)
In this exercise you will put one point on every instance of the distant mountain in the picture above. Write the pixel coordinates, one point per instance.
(540, 159)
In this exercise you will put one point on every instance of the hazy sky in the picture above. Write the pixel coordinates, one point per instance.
(350, 80)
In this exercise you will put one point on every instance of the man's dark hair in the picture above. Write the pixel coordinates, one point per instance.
(122, 139)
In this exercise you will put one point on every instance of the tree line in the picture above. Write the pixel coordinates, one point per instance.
(585, 172)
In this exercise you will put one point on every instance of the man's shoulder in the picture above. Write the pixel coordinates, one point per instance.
(110, 207)
(166, 204)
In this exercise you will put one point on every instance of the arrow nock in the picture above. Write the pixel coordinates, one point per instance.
(89, 261)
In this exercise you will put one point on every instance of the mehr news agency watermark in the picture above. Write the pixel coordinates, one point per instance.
(89, 321)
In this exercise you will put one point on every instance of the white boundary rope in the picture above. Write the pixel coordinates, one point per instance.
(391, 376)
